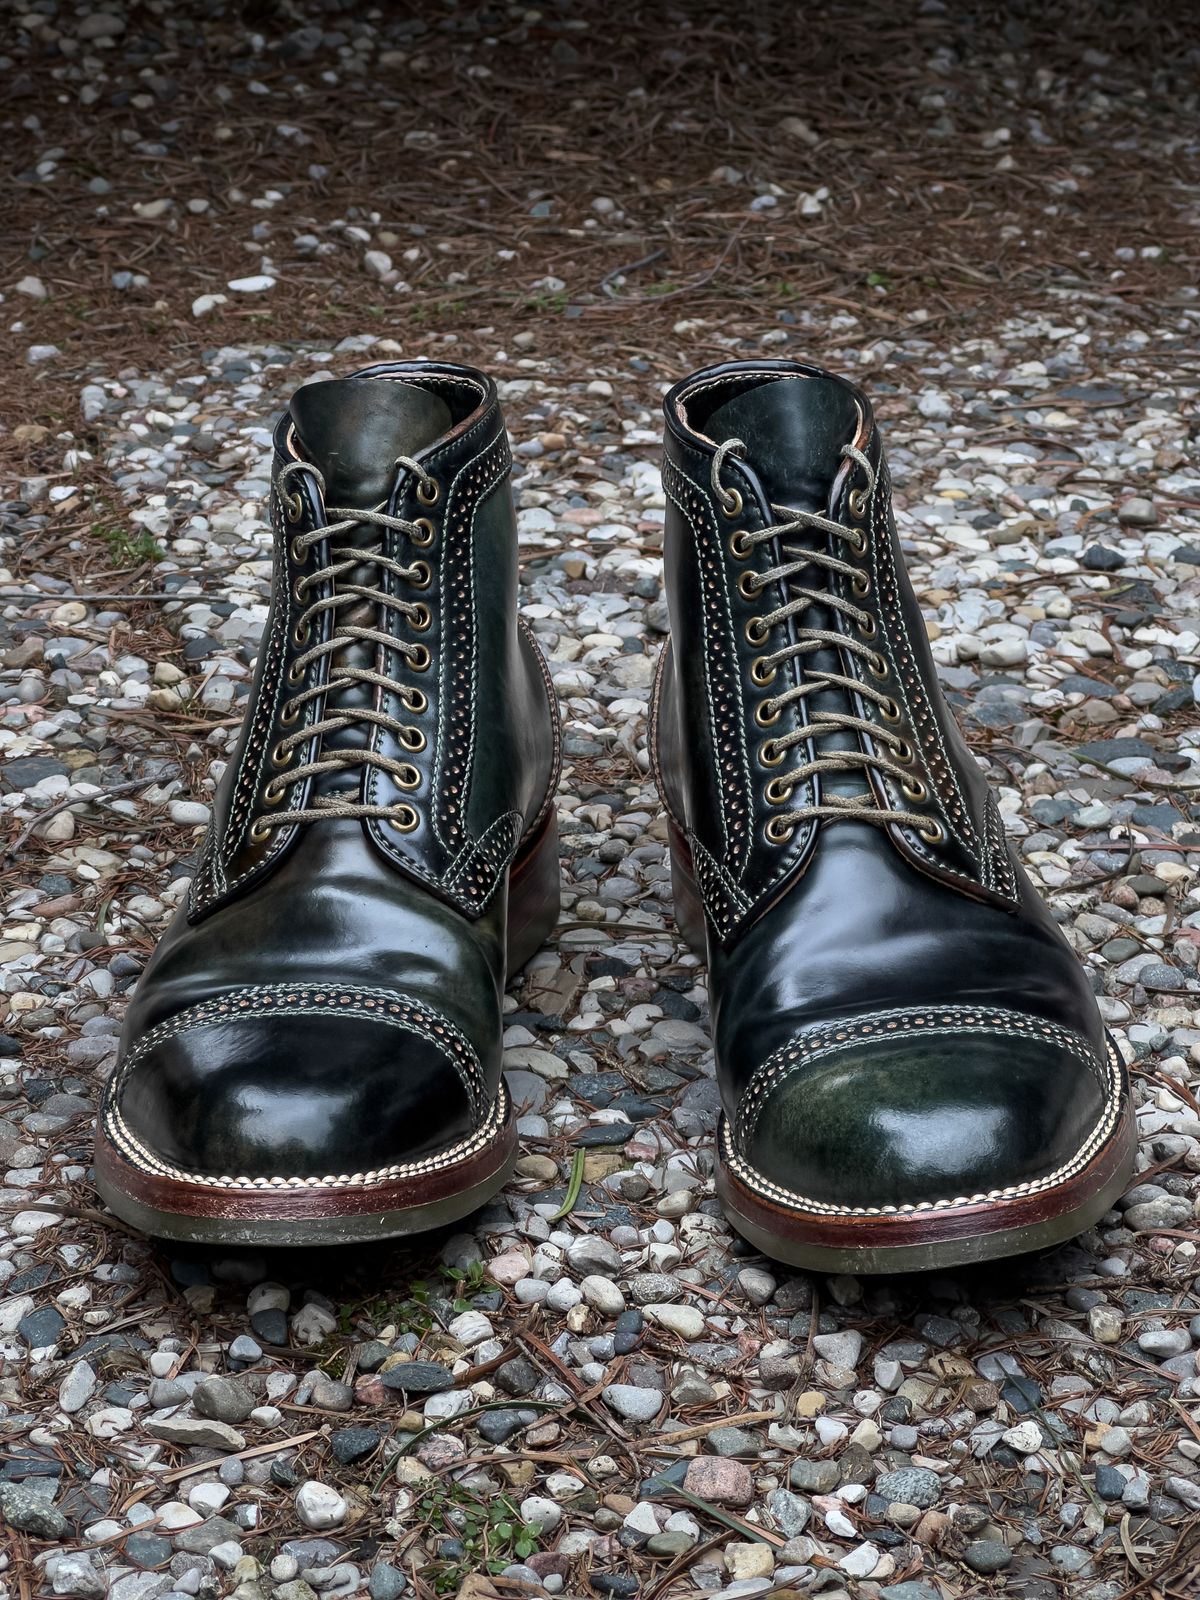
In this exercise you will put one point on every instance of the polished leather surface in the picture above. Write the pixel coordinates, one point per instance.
(851, 920)
(333, 913)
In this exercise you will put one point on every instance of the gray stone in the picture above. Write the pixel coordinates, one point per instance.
(734, 1442)
(593, 1255)
(223, 1400)
(1137, 513)
(196, 1431)
(987, 1556)
(72, 1573)
(634, 1403)
(814, 1477)
(791, 1513)
(910, 1486)
(418, 1377)
(23, 1508)
(386, 1582)
(353, 1444)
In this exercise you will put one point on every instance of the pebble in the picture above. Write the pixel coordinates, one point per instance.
(633, 1403)
(29, 1512)
(724, 1482)
(319, 1506)
(196, 1431)
(602, 1295)
(224, 1399)
(913, 1486)
(987, 1556)
(683, 1320)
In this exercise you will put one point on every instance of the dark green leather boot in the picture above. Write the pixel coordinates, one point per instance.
(313, 1053)
(913, 1069)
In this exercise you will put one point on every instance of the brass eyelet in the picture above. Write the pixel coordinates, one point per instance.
(404, 820)
(914, 790)
(290, 714)
(749, 586)
(409, 777)
(776, 754)
(934, 833)
(300, 634)
(423, 575)
(904, 753)
(273, 793)
(762, 674)
(281, 757)
(412, 739)
(429, 491)
(858, 502)
(419, 659)
(778, 831)
(427, 536)
(868, 629)
(293, 506)
(299, 551)
(861, 584)
(739, 543)
(779, 791)
(877, 666)
(731, 502)
(756, 631)
(298, 591)
(859, 543)
(415, 700)
(259, 831)
(295, 673)
(765, 718)
(890, 710)
(423, 616)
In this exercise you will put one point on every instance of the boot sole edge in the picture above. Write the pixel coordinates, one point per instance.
(351, 1210)
(933, 1239)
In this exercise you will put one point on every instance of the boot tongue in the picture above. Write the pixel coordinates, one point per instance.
(352, 430)
(794, 430)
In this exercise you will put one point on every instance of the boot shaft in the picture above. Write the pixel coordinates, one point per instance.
(799, 689)
(395, 684)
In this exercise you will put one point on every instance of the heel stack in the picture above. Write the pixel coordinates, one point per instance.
(533, 896)
(689, 908)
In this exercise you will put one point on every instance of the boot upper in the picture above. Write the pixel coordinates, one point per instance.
(898, 1019)
(329, 999)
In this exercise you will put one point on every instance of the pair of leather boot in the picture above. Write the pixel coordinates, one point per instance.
(912, 1066)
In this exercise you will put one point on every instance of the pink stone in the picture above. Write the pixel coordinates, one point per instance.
(725, 1483)
(509, 1268)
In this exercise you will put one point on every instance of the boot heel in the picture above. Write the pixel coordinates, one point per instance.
(533, 896)
(689, 908)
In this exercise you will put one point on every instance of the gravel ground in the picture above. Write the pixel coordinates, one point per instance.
(598, 1388)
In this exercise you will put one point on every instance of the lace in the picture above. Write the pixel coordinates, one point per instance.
(897, 757)
(363, 604)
